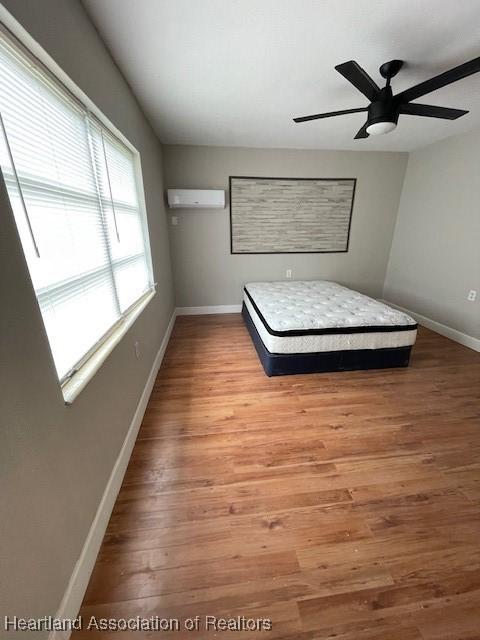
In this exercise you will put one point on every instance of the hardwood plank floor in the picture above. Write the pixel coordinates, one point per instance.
(343, 505)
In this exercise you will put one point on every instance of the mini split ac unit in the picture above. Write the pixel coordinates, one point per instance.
(196, 198)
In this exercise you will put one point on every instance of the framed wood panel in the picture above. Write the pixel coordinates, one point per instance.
(290, 215)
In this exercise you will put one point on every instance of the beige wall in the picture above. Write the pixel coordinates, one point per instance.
(55, 460)
(204, 271)
(435, 257)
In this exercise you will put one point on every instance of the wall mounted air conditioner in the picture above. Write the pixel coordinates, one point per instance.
(196, 198)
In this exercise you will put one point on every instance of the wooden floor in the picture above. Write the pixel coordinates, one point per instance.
(341, 506)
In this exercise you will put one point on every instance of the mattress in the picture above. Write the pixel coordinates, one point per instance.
(322, 316)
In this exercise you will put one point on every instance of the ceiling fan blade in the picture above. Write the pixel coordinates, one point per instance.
(437, 82)
(318, 116)
(430, 111)
(362, 133)
(360, 79)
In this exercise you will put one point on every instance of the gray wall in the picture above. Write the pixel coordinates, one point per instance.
(204, 271)
(55, 460)
(435, 257)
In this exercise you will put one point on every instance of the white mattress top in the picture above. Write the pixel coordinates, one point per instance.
(319, 304)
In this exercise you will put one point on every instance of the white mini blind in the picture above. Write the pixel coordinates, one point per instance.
(74, 194)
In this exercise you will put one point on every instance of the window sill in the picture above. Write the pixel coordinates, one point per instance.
(82, 377)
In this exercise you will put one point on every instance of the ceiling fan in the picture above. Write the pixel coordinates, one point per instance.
(385, 108)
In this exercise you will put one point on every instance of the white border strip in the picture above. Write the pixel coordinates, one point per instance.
(73, 597)
(200, 311)
(442, 329)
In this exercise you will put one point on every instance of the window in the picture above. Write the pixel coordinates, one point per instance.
(74, 192)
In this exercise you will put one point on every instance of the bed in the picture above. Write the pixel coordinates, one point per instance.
(319, 326)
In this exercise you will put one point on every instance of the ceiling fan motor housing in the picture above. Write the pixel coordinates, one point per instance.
(384, 109)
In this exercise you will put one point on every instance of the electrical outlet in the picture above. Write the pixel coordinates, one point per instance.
(136, 346)
(472, 295)
(174, 220)
(288, 273)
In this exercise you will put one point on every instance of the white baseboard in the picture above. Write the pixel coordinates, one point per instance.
(72, 599)
(198, 311)
(442, 329)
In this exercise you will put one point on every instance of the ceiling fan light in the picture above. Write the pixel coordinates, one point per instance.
(379, 128)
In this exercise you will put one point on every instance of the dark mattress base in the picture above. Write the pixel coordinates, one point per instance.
(281, 364)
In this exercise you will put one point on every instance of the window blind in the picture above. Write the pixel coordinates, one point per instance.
(74, 194)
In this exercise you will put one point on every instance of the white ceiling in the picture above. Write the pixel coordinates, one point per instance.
(235, 72)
